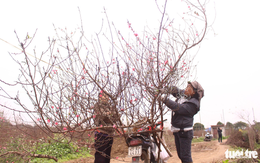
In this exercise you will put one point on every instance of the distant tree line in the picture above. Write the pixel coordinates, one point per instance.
(236, 126)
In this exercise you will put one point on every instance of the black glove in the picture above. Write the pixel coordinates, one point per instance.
(174, 90)
(161, 98)
(170, 90)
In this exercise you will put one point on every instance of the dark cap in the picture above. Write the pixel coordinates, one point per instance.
(198, 88)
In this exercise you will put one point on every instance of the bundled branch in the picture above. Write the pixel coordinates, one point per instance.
(64, 82)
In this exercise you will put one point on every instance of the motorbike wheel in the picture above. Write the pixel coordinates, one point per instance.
(153, 159)
(144, 157)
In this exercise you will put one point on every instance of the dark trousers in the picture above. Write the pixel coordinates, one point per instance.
(183, 145)
(103, 145)
(220, 138)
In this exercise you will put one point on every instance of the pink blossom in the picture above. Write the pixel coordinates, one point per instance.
(116, 157)
(133, 69)
(49, 121)
(88, 135)
(101, 125)
(94, 116)
(56, 123)
(54, 71)
(52, 107)
(136, 34)
(77, 116)
(64, 128)
(166, 62)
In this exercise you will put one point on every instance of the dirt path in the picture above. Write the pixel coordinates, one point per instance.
(216, 153)
(203, 152)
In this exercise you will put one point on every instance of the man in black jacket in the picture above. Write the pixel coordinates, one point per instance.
(105, 116)
(219, 135)
(184, 108)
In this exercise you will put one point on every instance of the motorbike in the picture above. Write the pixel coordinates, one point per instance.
(208, 137)
(142, 146)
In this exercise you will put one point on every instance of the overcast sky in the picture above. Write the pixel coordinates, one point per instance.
(228, 61)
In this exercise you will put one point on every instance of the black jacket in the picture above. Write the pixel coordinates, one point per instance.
(184, 112)
(219, 131)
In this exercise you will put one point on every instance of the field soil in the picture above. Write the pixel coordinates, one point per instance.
(202, 152)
